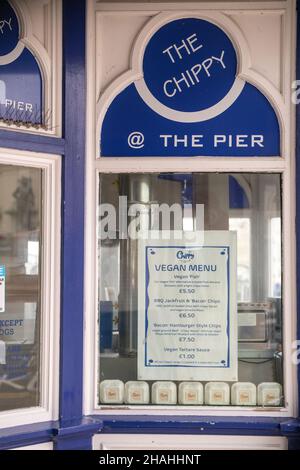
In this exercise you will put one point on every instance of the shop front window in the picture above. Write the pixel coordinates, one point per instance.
(190, 272)
(20, 279)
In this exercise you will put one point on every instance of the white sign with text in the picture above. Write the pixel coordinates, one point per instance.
(187, 322)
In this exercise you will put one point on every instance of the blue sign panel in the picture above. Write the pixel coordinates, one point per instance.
(248, 128)
(20, 75)
(21, 98)
(190, 101)
(9, 29)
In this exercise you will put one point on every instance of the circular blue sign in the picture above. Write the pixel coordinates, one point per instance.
(189, 64)
(9, 28)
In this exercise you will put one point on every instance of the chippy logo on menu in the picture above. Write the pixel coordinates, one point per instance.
(190, 100)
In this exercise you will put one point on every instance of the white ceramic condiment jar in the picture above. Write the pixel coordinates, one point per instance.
(112, 392)
(243, 394)
(136, 393)
(190, 393)
(164, 393)
(217, 393)
(269, 394)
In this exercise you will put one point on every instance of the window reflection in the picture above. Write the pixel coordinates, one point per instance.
(20, 239)
(248, 204)
(241, 225)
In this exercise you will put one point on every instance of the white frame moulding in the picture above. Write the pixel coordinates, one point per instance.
(186, 442)
(50, 287)
(94, 166)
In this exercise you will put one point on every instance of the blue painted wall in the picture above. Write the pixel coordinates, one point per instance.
(72, 282)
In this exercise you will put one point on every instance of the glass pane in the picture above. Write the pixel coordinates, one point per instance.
(20, 248)
(235, 212)
(275, 257)
(242, 227)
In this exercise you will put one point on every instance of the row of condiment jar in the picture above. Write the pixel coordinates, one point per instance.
(190, 393)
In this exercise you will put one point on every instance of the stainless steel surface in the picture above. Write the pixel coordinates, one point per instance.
(138, 189)
(256, 330)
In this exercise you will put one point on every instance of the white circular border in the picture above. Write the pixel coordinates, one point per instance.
(194, 116)
(17, 51)
(187, 116)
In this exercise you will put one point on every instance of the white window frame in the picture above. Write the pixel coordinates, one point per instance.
(185, 442)
(50, 288)
(284, 165)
